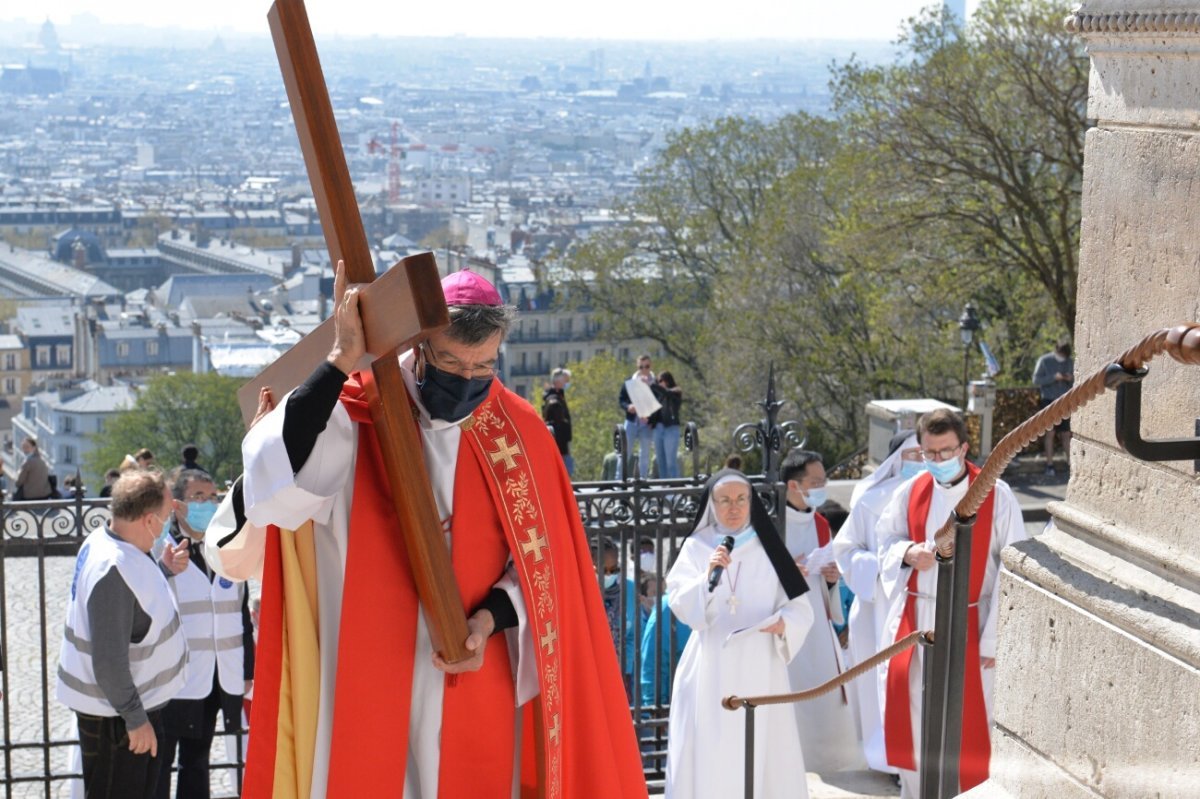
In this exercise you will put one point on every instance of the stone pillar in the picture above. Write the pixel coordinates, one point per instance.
(1097, 687)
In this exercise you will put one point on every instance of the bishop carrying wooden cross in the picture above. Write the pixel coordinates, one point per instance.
(400, 518)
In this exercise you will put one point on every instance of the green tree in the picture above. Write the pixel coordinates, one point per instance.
(174, 410)
(971, 143)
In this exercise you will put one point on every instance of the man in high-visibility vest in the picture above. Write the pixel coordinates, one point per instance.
(123, 652)
(216, 621)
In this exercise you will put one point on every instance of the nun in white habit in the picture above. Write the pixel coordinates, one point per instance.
(856, 550)
(744, 633)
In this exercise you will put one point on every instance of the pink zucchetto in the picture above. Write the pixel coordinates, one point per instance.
(468, 288)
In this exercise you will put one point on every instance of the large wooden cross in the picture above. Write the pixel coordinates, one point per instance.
(402, 306)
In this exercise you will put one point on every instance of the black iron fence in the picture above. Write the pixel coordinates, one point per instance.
(642, 523)
(38, 545)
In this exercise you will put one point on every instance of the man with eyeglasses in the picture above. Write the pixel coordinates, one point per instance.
(906, 531)
(639, 432)
(215, 612)
(364, 682)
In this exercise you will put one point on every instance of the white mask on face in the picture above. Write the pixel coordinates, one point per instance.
(610, 580)
(647, 561)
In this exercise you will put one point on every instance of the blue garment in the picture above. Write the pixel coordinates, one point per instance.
(639, 437)
(666, 449)
(612, 609)
(847, 597)
(651, 650)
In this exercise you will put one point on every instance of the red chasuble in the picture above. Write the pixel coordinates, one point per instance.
(976, 746)
(512, 497)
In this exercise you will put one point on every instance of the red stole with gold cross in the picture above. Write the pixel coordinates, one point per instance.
(512, 498)
(976, 745)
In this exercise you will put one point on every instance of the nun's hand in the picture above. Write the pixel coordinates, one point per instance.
(720, 557)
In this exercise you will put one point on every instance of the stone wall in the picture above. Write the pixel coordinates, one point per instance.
(1098, 687)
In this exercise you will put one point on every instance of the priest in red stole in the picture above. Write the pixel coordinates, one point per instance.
(350, 699)
(909, 579)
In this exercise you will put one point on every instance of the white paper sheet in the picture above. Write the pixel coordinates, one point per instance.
(642, 397)
(819, 558)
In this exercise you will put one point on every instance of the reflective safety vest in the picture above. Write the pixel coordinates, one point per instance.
(157, 663)
(212, 623)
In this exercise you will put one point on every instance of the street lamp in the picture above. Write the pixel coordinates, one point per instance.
(968, 323)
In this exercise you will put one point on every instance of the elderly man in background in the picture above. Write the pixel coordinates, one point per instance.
(33, 480)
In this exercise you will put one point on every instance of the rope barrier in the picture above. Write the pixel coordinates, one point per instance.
(1181, 342)
(918, 637)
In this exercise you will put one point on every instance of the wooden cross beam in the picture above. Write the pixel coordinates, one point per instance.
(401, 307)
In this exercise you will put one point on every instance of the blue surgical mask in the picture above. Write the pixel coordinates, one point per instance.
(450, 397)
(610, 580)
(815, 497)
(566, 386)
(164, 538)
(945, 471)
(910, 469)
(199, 514)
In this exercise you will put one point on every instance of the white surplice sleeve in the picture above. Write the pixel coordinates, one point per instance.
(520, 638)
(894, 541)
(242, 556)
(1008, 527)
(687, 586)
(276, 495)
(797, 616)
(857, 559)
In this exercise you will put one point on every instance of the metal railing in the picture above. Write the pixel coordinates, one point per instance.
(630, 514)
(38, 544)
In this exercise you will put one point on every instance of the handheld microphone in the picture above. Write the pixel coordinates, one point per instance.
(717, 571)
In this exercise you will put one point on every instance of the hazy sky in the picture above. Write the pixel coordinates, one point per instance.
(605, 19)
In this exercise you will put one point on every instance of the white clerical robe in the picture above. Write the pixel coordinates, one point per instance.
(892, 530)
(706, 743)
(827, 731)
(322, 491)
(857, 551)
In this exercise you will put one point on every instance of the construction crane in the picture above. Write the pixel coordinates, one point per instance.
(394, 156)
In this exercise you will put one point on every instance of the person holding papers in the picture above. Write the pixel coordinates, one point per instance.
(741, 593)
(826, 723)
(638, 402)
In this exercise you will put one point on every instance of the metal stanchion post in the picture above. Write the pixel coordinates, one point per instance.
(749, 751)
(956, 658)
(934, 695)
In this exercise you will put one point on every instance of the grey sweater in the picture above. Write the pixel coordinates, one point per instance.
(117, 620)
(1043, 376)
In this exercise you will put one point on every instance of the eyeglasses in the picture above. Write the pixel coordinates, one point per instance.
(197, 496)
(644, 366)
(938, 455)
(724, 503)
(448, 363)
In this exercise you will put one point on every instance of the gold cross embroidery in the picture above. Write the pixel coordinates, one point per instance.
(505, 452)
(549, 638)
(554, 730)
(534, 544)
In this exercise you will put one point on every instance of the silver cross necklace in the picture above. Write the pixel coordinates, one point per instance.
(733, 601)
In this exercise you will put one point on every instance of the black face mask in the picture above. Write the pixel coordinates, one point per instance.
(449, 397)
